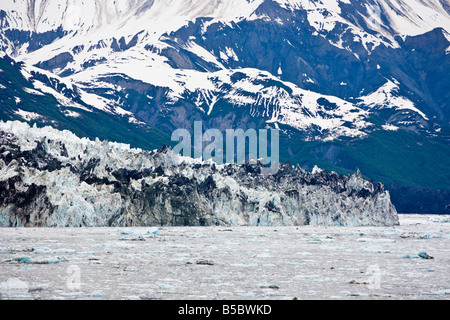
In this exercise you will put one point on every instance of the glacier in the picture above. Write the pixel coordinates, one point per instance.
(52, 178)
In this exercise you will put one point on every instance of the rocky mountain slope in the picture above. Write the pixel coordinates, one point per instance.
(53, 178)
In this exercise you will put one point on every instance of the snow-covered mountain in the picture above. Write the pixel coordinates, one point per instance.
(326, 71)
(407, 18)
(55, 179)
(180, 49)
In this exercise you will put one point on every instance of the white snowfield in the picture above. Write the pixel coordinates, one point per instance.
(411, 261)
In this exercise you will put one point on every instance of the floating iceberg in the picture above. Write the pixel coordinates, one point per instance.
(29, 260)
(140, 232)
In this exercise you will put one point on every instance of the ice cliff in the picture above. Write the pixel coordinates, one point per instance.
(51, 178)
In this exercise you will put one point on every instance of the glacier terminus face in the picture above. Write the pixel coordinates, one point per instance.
(54, 179)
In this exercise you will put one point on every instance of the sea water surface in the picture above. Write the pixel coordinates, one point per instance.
(411, 261)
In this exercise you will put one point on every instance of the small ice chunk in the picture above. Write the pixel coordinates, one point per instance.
(24, 260)
(375, 249)
(42, 250)
(140, 232)
(115, 245)
(248, 295)
(64, 251)
(29, 260)
(94, 295)
(45, 250)
(13, 286)
(205, 262)
(425, 255)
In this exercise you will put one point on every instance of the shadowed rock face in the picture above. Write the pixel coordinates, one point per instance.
(27, 205)
(52, 178)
